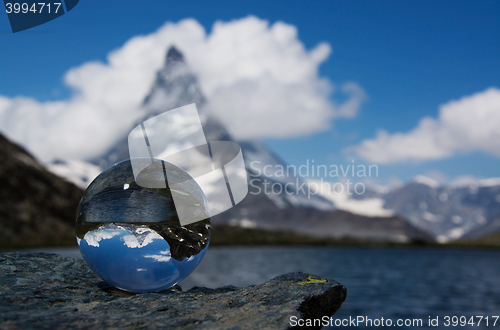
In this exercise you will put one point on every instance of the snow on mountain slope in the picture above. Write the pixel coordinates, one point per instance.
(279, 185)
(370, 207)
(448, 212)
(425, 181)
(79, 172)
(491, 182)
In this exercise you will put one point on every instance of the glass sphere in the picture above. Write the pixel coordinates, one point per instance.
(131, 236)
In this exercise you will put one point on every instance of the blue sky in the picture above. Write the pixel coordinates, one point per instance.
(409, 57)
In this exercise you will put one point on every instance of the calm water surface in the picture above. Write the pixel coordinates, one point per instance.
(396, 283)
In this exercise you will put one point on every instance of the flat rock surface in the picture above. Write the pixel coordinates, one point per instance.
(48, 291)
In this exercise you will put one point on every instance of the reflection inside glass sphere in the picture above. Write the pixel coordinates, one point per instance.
(130, 234)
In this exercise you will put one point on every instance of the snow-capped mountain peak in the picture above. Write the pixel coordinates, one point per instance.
(420, 179)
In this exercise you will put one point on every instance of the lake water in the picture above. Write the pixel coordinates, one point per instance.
(393, 283)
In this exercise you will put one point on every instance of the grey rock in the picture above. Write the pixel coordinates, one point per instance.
(47, 291)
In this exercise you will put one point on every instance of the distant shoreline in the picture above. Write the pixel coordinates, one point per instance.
(225, 235)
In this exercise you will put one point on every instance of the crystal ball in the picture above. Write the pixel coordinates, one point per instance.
(131, 236)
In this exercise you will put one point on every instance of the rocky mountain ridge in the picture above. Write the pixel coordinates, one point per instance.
(446, 211)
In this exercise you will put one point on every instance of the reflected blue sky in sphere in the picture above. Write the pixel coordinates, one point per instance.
(134, 258)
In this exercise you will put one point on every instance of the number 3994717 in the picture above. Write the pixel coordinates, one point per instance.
(36, 8)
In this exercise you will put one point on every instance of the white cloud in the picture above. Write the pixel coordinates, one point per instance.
(259, 78)
(93, 238)
(469, 124)
(164, 256)
(357, 96)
